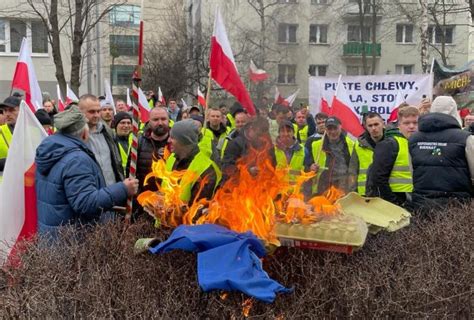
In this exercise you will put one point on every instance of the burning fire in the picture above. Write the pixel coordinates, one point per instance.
(251, 200)
(246, 306)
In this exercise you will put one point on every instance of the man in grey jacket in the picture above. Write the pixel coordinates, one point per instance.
(101, 141)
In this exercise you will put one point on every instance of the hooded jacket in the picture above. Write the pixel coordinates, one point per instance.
(439, 158)
(70, 187)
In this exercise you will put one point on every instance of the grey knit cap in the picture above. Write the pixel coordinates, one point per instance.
(70, 120)
(186, 132)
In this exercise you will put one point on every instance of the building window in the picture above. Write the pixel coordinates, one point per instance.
(404, 33)
(39, 37)
(318, 33)
(287, 33)
(316, 70)
(287, 73)
(17, 33)
(125, 15)
(123, 45)
(357, 70)
(352, 70)
(355, 34)
(319, 1)
(12, 33)
(122, 74)
(404, 68)
(437, 34)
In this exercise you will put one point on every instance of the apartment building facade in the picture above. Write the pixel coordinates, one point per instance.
(295, 39)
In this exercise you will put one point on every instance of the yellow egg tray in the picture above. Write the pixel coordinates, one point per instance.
(339, 233)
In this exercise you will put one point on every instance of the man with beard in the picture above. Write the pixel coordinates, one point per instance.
(151, 146)
(106, 112)
(254, 135)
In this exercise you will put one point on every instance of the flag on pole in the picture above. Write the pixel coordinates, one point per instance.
(25, 78)
(202, 99)
(143, 105)
(255, 74)
(161, 97)
(287, 102)
(18, 214)
(108, 95)
(291, 98)
(341, 108)
(223, 68)
(325, 107)
(129, 100)
(399, 99)
(70, 96)
(185, 105)
(61, 106)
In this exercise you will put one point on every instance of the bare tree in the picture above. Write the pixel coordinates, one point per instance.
(75, 19)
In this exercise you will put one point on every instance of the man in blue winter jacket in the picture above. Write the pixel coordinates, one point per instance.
(70, 187)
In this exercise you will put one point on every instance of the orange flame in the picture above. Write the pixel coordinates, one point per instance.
(246, 306)
(251, 200)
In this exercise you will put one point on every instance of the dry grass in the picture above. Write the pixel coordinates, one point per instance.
(422, 271)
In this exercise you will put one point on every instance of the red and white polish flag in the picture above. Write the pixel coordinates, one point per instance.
(161, 97)
(25, 78)
(18, 212)
(223, 68)
(288, 101)
(202, 99)
(341, 108)
(61, 105)
(144, 107)
(255, 74)
(70, 96)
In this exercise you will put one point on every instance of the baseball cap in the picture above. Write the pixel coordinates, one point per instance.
(11, 102)
(286, 124)
(332, 121)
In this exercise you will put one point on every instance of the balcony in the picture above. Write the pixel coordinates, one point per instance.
(355, 49)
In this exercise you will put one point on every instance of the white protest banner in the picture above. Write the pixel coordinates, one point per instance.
(377, 92)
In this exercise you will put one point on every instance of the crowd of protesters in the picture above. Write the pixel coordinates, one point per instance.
(422, 162)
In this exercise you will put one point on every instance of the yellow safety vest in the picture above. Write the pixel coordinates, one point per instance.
(124, 154)
(365, 156)
(401, 179)
(208, 138)
(316, 148)
(231, 120)
(303, 133)
(197, 167)
(5, 140)
(295, 166)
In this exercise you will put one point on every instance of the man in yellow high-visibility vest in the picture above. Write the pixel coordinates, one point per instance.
(10, 108)
(123, 138)
(390, 176)
(361, 157)
(200, 169)
(329, 157)
(289, 152)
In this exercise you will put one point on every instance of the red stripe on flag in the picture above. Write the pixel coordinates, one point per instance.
(350, 122)
(21, 80)
(257, 77)
(223, 71)
(30, 224)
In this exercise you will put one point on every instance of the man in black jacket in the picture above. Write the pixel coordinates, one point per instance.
(151, 146)
(441, 153)
(390, 176)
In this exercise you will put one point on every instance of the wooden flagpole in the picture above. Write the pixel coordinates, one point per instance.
(208, 98)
